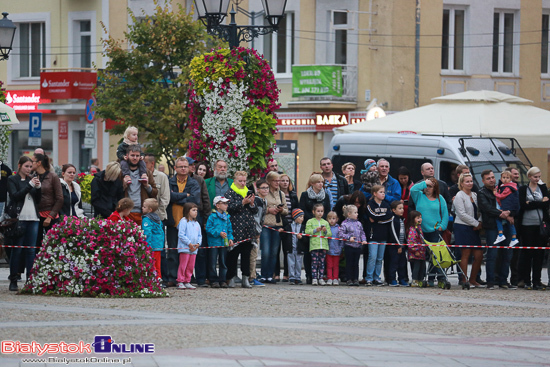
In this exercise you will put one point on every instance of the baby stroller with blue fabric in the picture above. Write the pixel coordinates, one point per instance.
(441, 261)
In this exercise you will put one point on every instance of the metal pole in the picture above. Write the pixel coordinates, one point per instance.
(417, 56)
(233, 35)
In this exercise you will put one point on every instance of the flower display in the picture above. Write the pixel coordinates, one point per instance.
(85, 182)
(233, 101)
(91, 257)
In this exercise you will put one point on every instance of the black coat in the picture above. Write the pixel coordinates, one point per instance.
(191, 194)
(532, 204)
(241, 217)
(487, 203)
(105, 194)
(18, 190)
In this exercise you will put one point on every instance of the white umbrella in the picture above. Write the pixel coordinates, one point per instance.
(7, 115)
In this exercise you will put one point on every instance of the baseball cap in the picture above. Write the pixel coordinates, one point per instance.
(222, 199)
(190, 160)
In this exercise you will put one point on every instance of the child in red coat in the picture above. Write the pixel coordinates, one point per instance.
(122, 210)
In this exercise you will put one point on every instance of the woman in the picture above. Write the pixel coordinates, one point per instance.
(25, 194)
(404, 178)
(202, 170)
(315, 194)
(427, 200)
(270, 238)
(467, 225)
(286, 239)
(533, 199)
(72, 197)
(242, 210)
(107, 190)
(51, 200)
(348, 169)
(358, 199)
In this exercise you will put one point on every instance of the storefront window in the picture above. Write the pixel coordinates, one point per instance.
(20, 144)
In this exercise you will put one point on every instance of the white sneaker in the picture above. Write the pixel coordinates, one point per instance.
(329, 282)
(314, 282)
(514, 242)
(189, 286)
(181, 286)
(500, 238)
(335, 282)
(322, 282)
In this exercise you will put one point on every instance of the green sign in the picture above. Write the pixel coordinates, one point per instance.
(4, 117)
(317, 80)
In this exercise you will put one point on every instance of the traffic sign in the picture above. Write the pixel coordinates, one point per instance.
(89, 136)
(35, 129)
(90, 113)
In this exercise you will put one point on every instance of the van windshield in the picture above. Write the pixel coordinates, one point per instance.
(477, 167)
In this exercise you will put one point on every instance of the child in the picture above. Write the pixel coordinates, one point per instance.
(318, 246)
(130, 138)
(189, 240)
(397, 254)
(262, 189)
(220, 234)
(417, 252)
(334, 250)
(508, 199)
(153, 228)
(380, 216)
(122, 210)
(296, 256)
(352, 231)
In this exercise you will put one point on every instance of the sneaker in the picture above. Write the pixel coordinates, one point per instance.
(291, 282)
(482, 282)
(335, 282)
(539, 287)
(322, 282)
(314, 282)
(490, 286)
(223, 285)
(271, 281)
(329, 282)
(189, 286)
(215, 285)
(503, 286)
(514, 242)
(181, 286)
(414, 283)
(528, 287)
(362, 281)
(499, 239)
(510, 286)
(368, 283)
(349, 283)
(203, 285)
(356, 283)
(378, 283)
(394, 283)
(403, 283)
(299, 282)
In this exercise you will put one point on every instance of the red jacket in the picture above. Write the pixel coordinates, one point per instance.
(115, 217)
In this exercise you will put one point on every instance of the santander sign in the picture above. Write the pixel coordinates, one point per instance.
(24, 101)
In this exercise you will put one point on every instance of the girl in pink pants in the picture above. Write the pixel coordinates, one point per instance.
(189, 240)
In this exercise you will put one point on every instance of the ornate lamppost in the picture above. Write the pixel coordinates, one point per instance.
(7, 33)
(213, 12)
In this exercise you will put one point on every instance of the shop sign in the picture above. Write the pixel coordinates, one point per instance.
(310, 121)
(63, 130)
(317, 80)
(25, 101)
(67, 84)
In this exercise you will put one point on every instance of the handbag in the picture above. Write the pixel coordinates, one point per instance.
(10, 225)
(544, 230)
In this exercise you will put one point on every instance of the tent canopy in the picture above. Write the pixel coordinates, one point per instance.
(475, 113)
(7, 115)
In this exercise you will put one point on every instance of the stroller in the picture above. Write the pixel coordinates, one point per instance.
(441, 261)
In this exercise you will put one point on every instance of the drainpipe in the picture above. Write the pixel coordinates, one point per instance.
(417, 55)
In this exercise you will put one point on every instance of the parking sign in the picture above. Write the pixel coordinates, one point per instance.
(35, 129)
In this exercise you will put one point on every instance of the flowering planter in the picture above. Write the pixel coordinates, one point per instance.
(94, 258)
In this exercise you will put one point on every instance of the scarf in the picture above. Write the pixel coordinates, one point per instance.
(222, 216)
(313, 196)
(243, 192)
(153, 216)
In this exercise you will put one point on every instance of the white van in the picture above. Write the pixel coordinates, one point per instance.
(443, 152)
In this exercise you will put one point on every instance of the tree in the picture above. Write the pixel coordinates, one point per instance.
(5, 130)
(146, 82)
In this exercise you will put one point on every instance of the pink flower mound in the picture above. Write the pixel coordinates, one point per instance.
(94, 258)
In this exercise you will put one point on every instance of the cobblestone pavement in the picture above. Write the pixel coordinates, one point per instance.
(283, 325)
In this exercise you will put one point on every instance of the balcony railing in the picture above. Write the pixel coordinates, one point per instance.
(349, 91)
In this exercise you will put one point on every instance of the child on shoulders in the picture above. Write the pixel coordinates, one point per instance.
(130, 138)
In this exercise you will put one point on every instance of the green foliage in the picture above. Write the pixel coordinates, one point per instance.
(5, 130)
(146, 84)
(258, 128)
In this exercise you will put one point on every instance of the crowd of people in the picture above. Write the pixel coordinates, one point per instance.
(200, 221)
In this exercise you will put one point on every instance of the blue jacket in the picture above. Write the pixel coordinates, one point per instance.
(152, 227)
(335, 246)
(392, 188)
(192, 188)
(216, 224)
(188, 233)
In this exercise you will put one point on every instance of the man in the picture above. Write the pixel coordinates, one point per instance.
(487, 203)
(220, 183)
(183, 189)
(5, 172)
(162, 168)
(273, 166)
(460, 169)
(392, 186)
(515, 174)
(94, 167)
(201, 262)
(336, 184)
(138, 188)
(163, 197)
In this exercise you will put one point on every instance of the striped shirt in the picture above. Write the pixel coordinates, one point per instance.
(333, 187)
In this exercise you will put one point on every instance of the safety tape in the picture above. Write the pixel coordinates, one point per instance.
(418, 244)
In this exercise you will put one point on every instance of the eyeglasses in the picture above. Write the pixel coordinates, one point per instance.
(180, 167)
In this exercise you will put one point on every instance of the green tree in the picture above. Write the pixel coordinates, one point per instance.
(5, 130)
(146, 82)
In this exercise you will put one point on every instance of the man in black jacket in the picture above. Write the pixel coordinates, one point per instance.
(5, 172)
(487, 202)
(336, 184)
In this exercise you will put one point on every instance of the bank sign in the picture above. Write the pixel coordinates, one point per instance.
(317, 80)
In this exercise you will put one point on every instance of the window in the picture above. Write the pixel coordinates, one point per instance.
(340, 25)
(452, 47)
(85, 44)
(32, 48)
(503, 42)
(544, 44)
(279, 46)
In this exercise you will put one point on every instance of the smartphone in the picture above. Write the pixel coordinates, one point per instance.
(249, 194)
(280, 205)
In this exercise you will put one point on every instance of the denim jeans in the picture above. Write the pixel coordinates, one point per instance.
(374, 264)
(498, 276)
(28, 239)
(269, 245)
(217, 255)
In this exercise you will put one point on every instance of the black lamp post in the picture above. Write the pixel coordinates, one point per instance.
(7, 33)
(213, 12)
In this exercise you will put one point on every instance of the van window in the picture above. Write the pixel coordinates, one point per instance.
(413, 164)
(447, 172)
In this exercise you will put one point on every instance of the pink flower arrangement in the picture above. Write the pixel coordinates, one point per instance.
(94, 258)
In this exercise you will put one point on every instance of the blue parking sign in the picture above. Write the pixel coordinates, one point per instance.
(35, 129)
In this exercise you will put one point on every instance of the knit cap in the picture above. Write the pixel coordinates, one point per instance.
(368, 164)
(296, 213)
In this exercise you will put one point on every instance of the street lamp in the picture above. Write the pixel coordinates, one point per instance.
(213, 12)
(7, 32)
